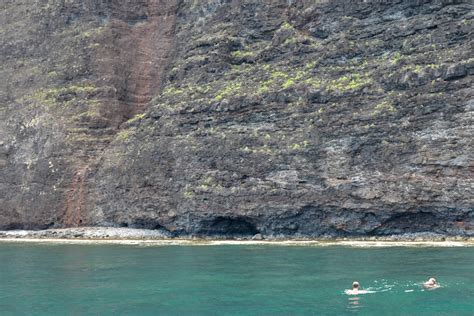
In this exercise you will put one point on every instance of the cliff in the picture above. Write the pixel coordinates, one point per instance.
(294, 118)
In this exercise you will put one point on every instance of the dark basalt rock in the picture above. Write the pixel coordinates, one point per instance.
(238, 119)
(227, 226)
(455, 72)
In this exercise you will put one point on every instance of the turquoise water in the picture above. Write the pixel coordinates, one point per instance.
(232, 280)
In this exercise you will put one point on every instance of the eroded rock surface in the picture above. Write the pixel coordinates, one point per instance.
(238, 118)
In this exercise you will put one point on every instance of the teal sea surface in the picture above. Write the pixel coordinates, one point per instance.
(60, 279)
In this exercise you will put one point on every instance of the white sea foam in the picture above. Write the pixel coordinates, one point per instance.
(145, 237)
(194, 242)
(350, 292)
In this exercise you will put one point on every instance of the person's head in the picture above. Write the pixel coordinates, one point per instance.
(355, 285)
(432, 281)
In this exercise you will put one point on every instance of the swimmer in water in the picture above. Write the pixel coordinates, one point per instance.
(431, 284)
(355, 288)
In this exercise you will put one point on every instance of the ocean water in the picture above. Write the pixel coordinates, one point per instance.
(232, 280)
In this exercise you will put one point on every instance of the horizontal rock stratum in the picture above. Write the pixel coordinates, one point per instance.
(236, 118)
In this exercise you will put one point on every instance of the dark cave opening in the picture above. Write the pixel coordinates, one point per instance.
(228, 226)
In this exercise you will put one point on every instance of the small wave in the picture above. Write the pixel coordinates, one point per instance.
(349, 292)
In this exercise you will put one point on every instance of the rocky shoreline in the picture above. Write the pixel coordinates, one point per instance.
(131, 236)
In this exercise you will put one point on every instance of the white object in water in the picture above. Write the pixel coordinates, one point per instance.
(352, 292)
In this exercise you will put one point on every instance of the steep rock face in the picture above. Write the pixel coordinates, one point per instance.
(73, 72)
(284, 118)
